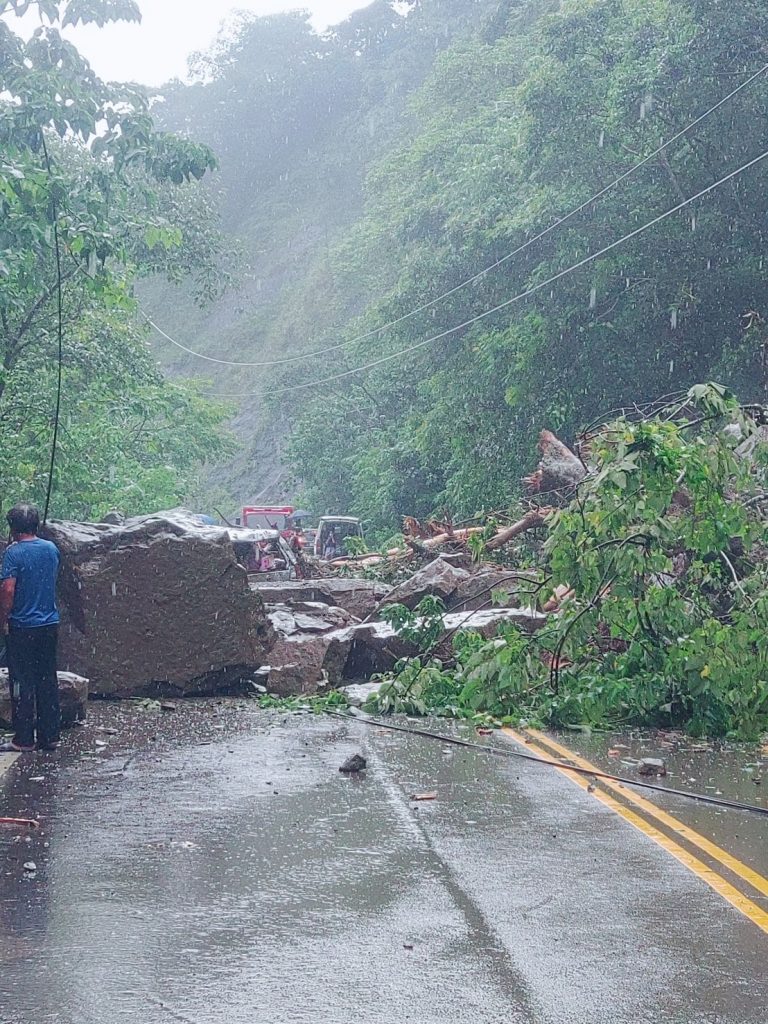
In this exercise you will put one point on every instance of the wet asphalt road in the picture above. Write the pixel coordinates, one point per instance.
(212, 865)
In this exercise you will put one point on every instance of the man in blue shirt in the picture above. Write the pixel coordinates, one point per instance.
(28, 609)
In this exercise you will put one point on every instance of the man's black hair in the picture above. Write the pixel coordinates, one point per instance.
(24, 519)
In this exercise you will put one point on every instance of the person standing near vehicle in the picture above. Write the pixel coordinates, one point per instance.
(28, 610)
(331, 548)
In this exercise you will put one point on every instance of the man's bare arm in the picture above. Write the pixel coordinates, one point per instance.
(7, 591)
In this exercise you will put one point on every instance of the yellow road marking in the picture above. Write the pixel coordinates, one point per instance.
(753, 878)
(715, 881)
(6, 760)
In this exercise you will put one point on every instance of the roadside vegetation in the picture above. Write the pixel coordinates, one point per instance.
(660, 560)
(93, 199)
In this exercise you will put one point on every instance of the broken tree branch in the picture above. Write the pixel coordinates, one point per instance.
(536, 517)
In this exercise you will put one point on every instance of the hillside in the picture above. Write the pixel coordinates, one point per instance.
(371, 176)
(296, 120)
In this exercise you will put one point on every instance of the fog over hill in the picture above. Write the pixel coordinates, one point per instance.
(370, 170)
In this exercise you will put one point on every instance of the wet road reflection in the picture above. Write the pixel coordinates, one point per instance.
(212, 865)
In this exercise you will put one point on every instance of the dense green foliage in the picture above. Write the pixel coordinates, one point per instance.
(85, 175)
(514, 132)
(378, 166)
(663, 554)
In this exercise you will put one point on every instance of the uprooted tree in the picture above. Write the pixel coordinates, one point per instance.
(660, 562)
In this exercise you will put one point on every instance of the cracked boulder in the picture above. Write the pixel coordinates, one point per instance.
(156, 605)
(439, 578)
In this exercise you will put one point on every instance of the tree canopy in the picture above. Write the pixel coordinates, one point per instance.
(91, 199)
(414, 158)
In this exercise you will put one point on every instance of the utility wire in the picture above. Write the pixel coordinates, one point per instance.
(503, 305)
(481, 273)
(60, 334)
(734, 805)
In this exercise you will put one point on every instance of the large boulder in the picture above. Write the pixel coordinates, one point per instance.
(73, 697)
(302, 663)
(439, 578)
(478, 590)
(358, 597)
(156, 605)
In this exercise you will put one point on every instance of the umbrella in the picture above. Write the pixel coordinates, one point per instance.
(301, 514)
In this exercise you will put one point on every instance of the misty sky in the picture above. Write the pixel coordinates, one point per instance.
(157, 49)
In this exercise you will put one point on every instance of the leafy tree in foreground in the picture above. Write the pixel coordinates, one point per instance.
(90, 200)
(661, 555)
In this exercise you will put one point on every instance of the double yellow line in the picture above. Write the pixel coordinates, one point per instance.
(657, 824)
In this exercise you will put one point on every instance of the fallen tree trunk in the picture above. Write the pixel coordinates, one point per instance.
(536, 517)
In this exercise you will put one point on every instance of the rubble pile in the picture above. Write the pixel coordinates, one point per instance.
(327, 645)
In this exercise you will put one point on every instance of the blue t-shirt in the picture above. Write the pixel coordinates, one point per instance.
(34, 564)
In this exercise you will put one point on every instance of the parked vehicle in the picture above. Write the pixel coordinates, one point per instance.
(263, 551)
(286, 519)
(333, 533)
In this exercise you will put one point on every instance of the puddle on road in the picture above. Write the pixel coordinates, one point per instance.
(219, 843)
(711, 768)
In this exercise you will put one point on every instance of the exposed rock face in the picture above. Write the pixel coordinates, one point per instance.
(73, 696)
(300, 664)
(438, 578)
(358, 597)
(156, 605)
(477, 590)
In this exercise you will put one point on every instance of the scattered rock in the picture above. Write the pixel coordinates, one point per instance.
(478, 590)
(651, 766)
(73, 697)
(357, 597)
(30, 867)
(168, 705)
(353, 764)
(438, 578)
(156, 605)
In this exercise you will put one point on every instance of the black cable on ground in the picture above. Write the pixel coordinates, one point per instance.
(733, 805)
(60, 333)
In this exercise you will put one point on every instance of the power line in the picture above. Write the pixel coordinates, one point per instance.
(503, 305)
(481, 273)
(60, 334)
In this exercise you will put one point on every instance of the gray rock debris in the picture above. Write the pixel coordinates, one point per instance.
(438, 578)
